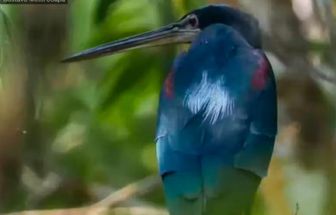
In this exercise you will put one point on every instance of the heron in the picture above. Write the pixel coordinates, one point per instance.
(217, 116)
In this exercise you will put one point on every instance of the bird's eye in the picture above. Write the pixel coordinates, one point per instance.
(193, 21)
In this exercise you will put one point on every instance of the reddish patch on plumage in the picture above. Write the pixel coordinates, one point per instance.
(169, 85)
(259, 78)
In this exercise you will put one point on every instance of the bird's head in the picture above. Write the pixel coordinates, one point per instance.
(184, 30)
(244, 23)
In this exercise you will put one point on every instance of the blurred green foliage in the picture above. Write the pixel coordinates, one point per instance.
(96, 120)
(85, 129)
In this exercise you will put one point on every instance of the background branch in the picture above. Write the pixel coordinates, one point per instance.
(108, 204)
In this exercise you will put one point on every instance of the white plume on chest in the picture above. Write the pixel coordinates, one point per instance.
(211, 97)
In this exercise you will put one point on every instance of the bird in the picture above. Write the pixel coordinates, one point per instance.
(217, 115)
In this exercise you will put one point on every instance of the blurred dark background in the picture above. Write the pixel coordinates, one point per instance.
(72, 134)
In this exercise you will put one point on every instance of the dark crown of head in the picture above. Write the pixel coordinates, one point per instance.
(244, 23)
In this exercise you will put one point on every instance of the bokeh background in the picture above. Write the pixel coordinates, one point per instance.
(70, 135)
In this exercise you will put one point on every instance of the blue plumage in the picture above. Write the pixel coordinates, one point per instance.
(217, 118)
(217, 124)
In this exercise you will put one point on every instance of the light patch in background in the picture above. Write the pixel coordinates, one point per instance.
(306, 189)
(69, 138)
(39, 187)
(303, 9)
(147, 107)
(312, 29)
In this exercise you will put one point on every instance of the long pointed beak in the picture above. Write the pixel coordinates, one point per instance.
(170, 34)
